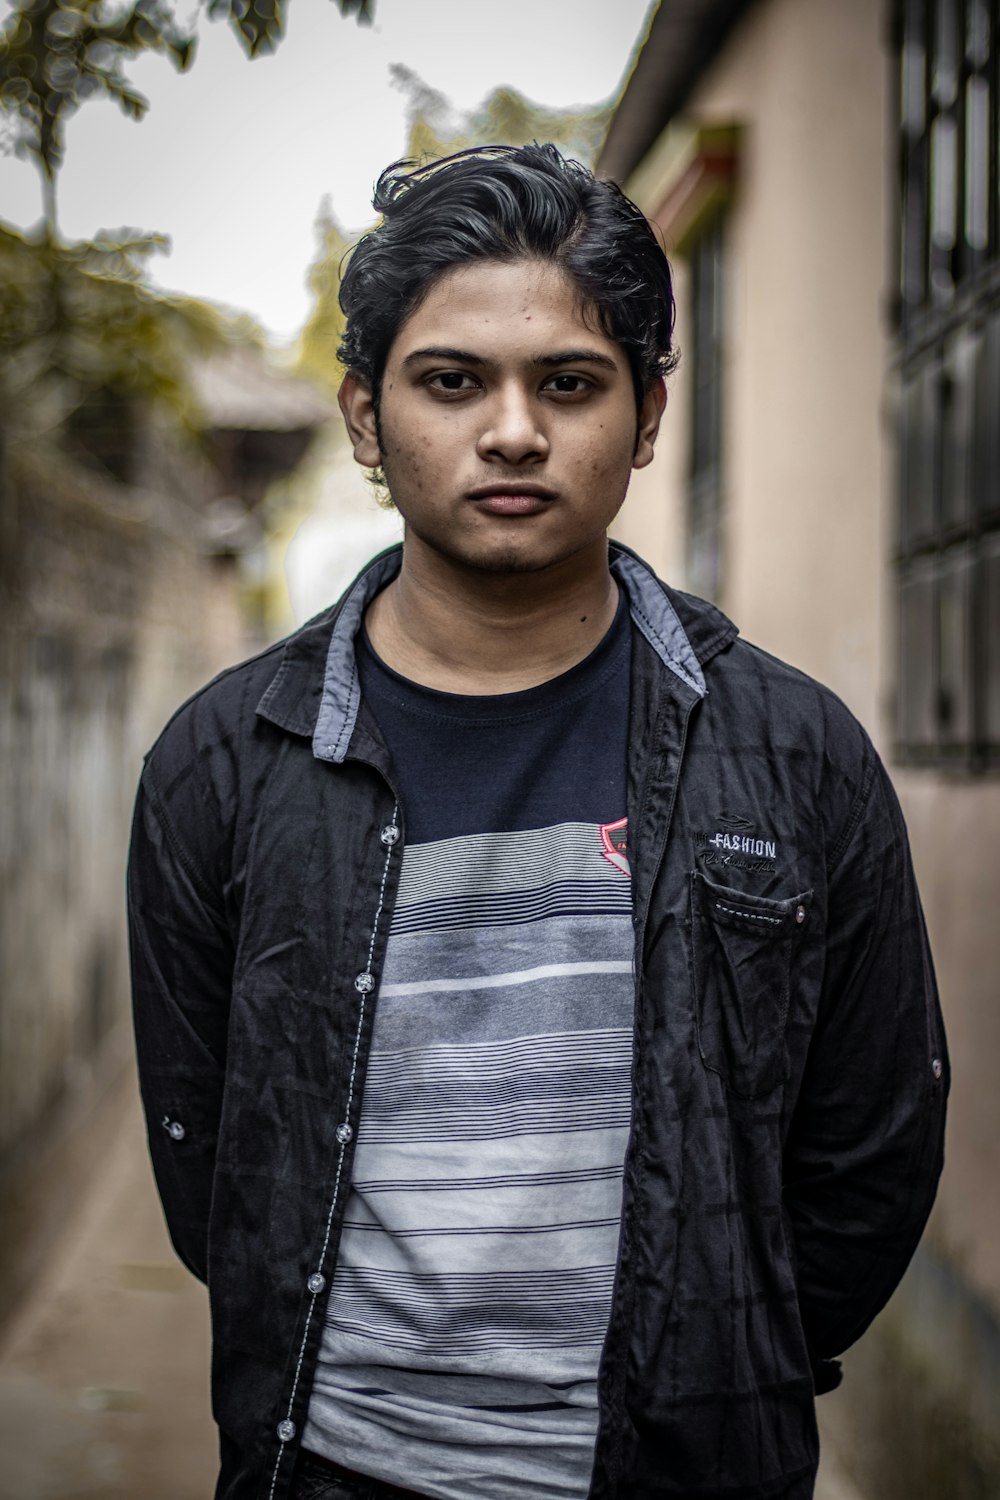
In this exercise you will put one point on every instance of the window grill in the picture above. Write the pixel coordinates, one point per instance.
(947, 381)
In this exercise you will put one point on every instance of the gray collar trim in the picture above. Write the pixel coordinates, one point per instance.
(338, 708)
(651, 611)
(654, 615)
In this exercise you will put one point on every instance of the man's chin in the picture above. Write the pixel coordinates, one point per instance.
(506, 563)
(497, 561)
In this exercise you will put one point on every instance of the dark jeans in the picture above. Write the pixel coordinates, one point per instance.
(318, 1479)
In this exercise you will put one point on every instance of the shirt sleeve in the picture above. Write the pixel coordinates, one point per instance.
(865, 1147)
(182, 964)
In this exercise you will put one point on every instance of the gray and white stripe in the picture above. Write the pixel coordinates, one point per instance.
(481, 1234)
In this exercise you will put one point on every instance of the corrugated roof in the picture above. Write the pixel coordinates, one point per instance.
(240, 389)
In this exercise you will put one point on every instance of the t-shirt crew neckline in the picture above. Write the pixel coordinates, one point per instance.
(576, 682)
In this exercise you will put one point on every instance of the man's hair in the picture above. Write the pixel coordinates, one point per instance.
(507, 203)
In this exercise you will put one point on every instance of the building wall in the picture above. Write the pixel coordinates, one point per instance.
(108, 617)
(652, 518)
(954, 826)
(805, 347)
(810, 469)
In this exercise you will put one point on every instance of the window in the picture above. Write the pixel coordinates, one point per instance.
(704, 509)
(695, 169)
(948, 384)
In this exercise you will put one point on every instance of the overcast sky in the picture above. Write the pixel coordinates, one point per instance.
(234, 158)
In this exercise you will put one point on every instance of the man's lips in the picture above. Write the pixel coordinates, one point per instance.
(512, 499)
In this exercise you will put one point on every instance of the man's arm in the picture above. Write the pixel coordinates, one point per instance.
(182, 965)
(865, 1147)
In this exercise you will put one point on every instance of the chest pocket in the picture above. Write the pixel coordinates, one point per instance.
(743, 950)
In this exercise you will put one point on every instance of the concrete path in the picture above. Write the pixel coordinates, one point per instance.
(104, 1368)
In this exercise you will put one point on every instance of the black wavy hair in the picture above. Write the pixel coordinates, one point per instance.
(507, 203)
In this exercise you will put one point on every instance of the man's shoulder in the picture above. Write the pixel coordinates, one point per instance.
(756, 699)
(750, 693)
(790, 703)
(796, 733)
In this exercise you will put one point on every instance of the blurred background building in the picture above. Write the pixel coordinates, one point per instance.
(825, 180)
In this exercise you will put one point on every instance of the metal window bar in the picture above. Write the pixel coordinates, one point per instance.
(947, 373)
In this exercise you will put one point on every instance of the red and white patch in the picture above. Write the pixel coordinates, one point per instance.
(614, 837)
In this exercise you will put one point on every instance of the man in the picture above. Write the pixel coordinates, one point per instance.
(537, 1030)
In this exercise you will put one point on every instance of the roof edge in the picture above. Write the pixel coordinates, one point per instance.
(683, 38)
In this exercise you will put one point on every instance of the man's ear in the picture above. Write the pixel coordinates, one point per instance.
(355, 398)
(650, 413)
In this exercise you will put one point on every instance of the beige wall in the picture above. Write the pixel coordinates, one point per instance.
(652, 518)
(955, 832)
(809, 463)
(805, 344)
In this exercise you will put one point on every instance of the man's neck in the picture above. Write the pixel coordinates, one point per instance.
(464, 631)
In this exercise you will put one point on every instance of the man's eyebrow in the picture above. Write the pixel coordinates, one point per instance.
(575, 357)
(439, 351)
(547, 361)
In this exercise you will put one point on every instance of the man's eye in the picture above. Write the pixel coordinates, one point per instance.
(451, 380)
(569, 385)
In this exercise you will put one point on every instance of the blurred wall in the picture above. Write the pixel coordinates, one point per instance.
(109, 616)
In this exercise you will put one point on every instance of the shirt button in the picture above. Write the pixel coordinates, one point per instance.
(344, 1133)
(800, 914)
(176, 1130)
(286, 1430)
(365, 982)
(389, 834)
(937, 1067)
(316, 1282)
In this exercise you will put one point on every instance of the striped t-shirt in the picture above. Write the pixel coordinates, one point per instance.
(472, 1291)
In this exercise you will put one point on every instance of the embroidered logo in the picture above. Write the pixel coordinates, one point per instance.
(741, 843)
(614, 837)
(733, 842)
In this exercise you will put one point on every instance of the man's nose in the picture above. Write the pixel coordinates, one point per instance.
(514, 429)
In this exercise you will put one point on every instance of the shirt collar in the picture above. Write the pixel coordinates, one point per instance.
(317, 692)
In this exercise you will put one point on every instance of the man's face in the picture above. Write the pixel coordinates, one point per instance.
(508, 426)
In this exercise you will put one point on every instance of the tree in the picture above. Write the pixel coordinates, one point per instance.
(55, 54)
(78, 318)
(260, 25)
(505, 118)
(105, 331)
(324, 328)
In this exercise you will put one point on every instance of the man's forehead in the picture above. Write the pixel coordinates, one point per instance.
(510, 304)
